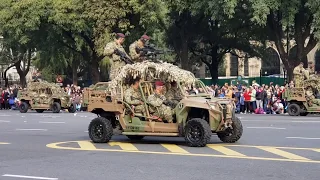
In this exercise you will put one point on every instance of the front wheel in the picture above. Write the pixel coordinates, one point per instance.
(23, 107)
(294, 109)
(56, 107)
(100, 130)
(197, 133)
(232, 135)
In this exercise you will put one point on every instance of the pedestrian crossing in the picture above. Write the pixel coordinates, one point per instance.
(290, 154)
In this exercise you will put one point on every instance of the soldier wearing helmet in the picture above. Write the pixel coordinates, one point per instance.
(136, 55)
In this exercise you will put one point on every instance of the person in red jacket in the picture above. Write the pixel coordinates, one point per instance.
(247, 99)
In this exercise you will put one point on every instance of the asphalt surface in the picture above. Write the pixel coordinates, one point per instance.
(57, 147)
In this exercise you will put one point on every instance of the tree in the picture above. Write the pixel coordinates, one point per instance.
(285, 21)
(20, 27)
(210, 32)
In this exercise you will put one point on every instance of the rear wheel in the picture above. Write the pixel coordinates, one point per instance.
(232, 135)
(197, 132)
(39, 110)
(56, 107)
(294, 109)
(100, 130)
(24, 107)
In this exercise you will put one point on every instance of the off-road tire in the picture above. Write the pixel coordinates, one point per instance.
(204, 132)
(39, 110)
(294, 109)
(232, 135)
(23, 108)
(72, 108)
(135, 137)
(107, 130)
(56, 107)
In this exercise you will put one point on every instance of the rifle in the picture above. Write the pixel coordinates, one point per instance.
(123, 56)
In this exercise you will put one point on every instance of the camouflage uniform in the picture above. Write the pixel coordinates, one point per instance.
(135, 56)
(174, 95)
(117, 62)
(133, 97)
(158, 108)
(298, 73)
(311, 99)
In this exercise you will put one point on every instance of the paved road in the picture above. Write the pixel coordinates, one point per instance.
(57, 147)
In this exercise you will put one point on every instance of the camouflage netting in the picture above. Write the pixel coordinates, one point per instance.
(149, 71)
(33, 86)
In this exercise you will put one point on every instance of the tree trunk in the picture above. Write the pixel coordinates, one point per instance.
(74, 72)
(23, 73)
(95, 75)
(184, 56)
(214, 71)
(23, 81)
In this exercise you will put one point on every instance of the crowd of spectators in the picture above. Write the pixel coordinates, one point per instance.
(8, 97)
(255, 98)
(76, 93)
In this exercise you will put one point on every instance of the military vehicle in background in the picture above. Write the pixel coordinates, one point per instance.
(303, 100)
(42, 96)
(197, 116)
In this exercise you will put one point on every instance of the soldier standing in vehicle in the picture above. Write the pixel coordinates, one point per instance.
(137, 56)
(133, 97)
(298, 75)
(157, 103)
(111, 50)
(174, 94)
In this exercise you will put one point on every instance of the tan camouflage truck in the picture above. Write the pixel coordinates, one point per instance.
(303, 100)
(41, 96)
(197, 116)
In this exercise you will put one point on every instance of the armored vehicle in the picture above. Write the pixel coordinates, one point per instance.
(196, 116)
(303, 100)
(41, 96)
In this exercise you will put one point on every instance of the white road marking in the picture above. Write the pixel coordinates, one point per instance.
(86, 131)
(4, 121)
(302, 138)
(31, 129)
(28, 177)
(264, 128)
(5, 115)
(306, 121)
(51, 122)
(51, 116)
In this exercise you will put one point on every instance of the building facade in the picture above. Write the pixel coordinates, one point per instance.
(252, 67)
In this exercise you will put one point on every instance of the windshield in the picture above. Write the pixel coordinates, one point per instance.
(198, 88)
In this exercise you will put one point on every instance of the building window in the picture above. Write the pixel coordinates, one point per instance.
(234, 65)
(270, 63)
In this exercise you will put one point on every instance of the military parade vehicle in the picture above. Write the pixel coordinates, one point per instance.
(42, 96)
(196, 117)
(303, 100)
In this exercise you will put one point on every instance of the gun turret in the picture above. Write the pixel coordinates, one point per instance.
(149, 50)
